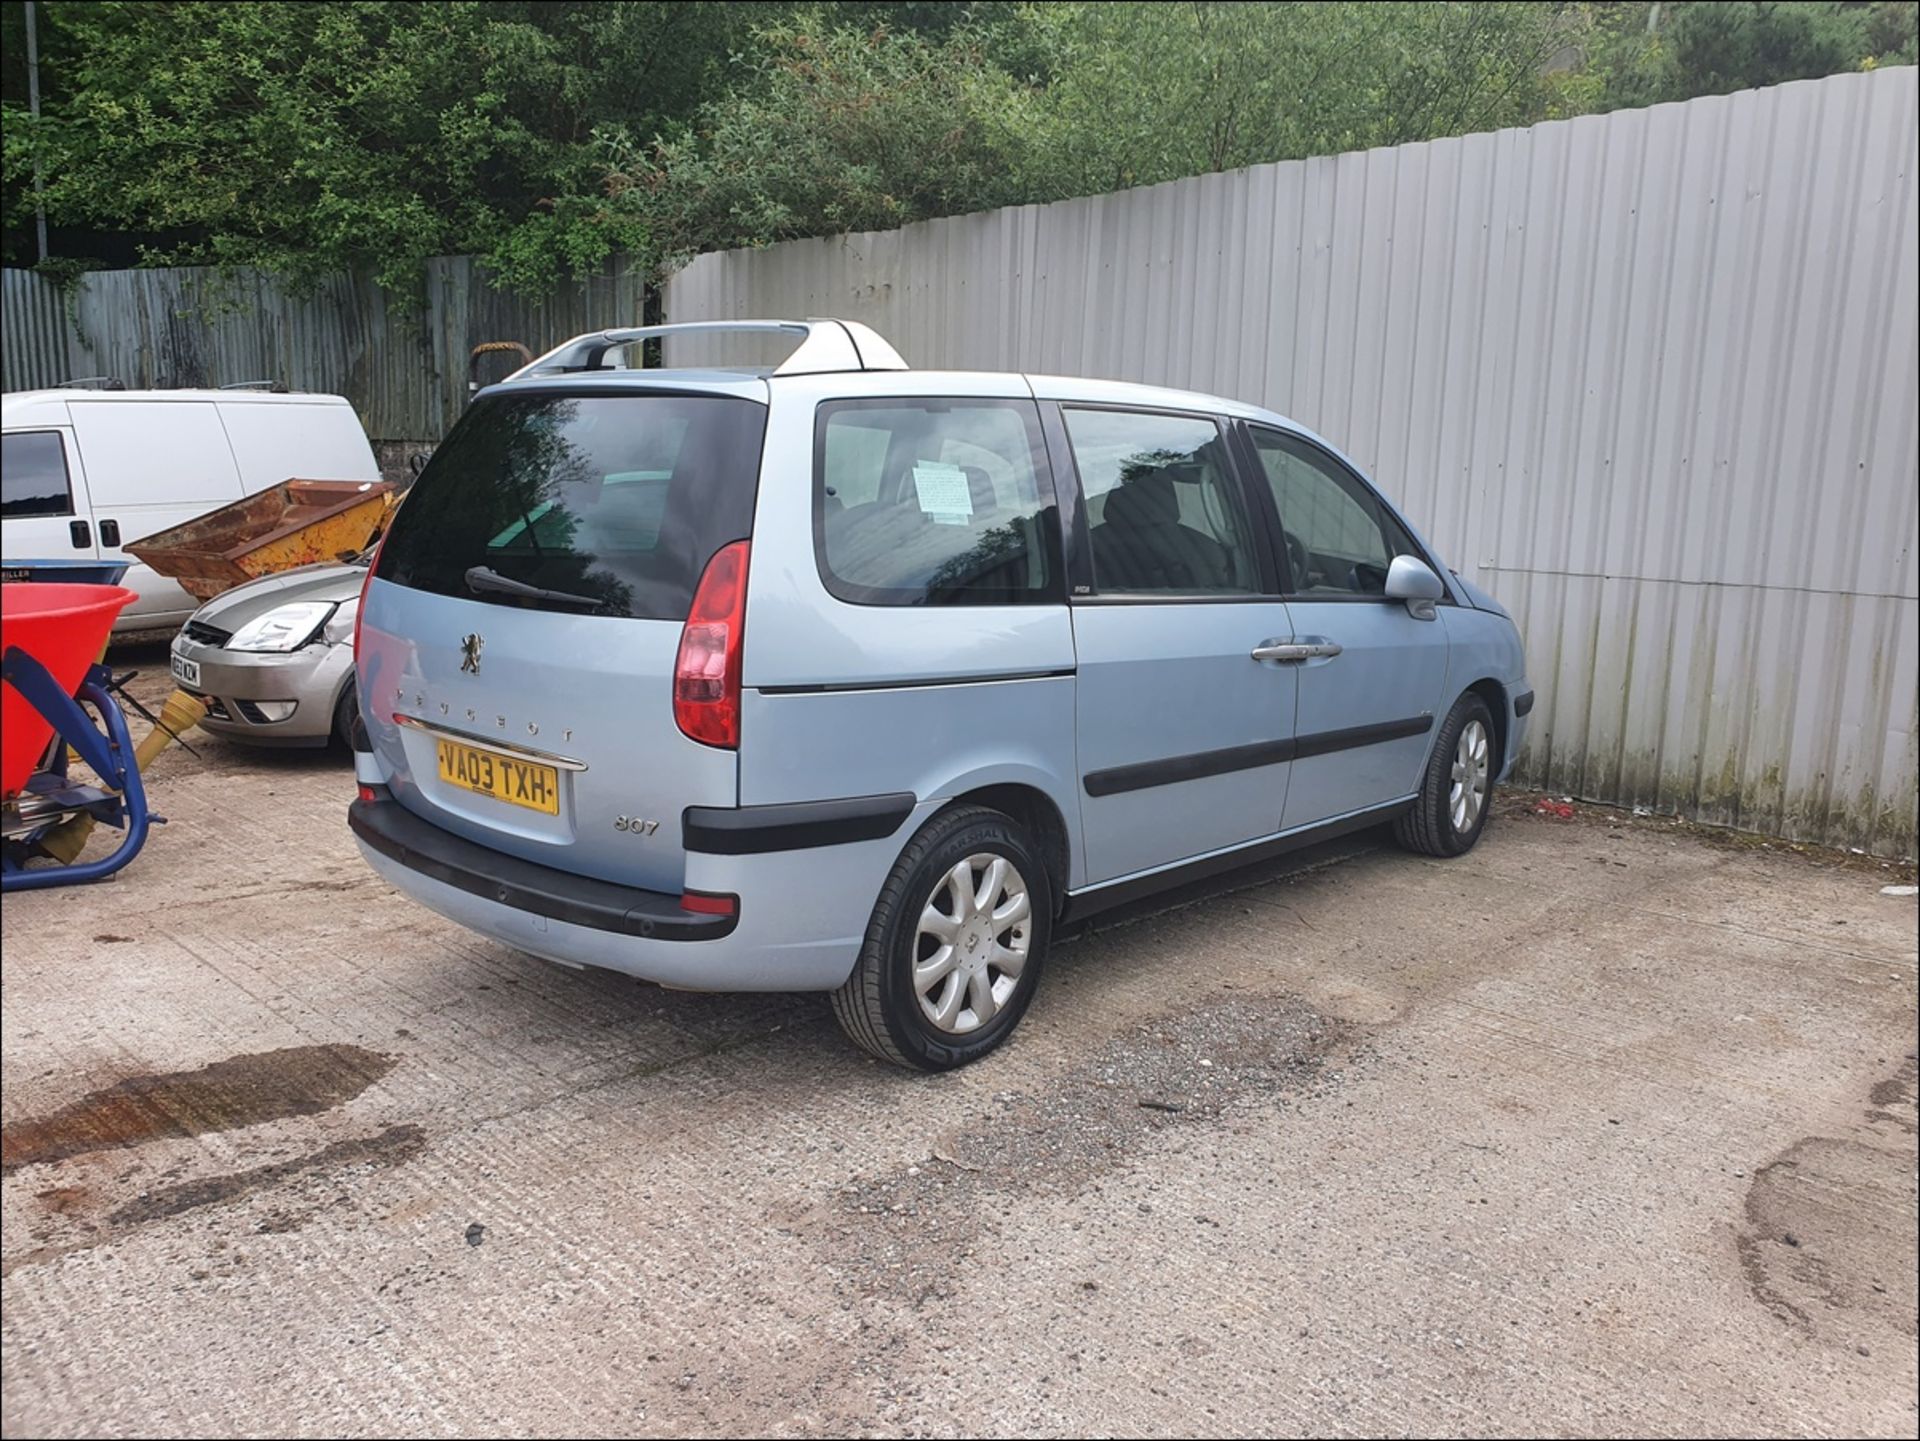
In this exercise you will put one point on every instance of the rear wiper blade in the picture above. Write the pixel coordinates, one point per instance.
(481, 577)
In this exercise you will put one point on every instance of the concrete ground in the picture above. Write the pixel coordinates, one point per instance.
(1604, 1128)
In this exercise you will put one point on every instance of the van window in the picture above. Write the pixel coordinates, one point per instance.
(1340, 540)
(1163, 513)
(624, 498)
(33, 475)
(934, 502)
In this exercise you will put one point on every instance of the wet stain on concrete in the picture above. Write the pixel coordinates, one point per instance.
(241, 1091)
(1891, 1102)
(913, 1231)
(1828, 1240)
(1898, 1087)
(1829, 1224)
(393, 1146)
(1763, 1233)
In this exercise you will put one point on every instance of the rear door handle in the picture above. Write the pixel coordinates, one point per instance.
(1286, 651)
(110, 532)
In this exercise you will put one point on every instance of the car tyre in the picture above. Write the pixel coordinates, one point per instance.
(344, 710)
(931, 953)
(1456, 794)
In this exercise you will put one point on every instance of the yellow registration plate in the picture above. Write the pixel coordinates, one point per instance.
(519, 783)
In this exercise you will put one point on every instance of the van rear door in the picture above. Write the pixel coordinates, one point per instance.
(279, 438)
(519, 633)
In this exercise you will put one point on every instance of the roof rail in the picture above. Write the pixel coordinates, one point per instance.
(82, 382)
(275, 387)
(824, 346)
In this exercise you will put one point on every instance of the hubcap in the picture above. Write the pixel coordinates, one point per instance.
(1469, 794)
(971, 943)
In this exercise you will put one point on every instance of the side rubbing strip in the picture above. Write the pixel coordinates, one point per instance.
(913, 684)
(1327, 742)
(1173, 769)
(1186, 768)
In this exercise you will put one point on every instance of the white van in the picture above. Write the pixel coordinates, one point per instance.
(86, 471)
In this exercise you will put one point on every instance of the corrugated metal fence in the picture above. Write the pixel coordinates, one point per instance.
(401, 360)
(1648, 376)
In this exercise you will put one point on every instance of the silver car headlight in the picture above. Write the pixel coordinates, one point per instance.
(339, 628)
(284, 628)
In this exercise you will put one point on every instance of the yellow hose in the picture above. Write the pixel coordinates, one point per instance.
(181, 713)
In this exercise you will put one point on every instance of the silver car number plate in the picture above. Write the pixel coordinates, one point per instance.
(187, 672)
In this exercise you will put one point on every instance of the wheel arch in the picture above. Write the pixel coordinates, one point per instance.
(1040, 814)
(1495, 695)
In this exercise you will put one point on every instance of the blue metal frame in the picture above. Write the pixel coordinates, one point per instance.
(110, 755)
(68, 572)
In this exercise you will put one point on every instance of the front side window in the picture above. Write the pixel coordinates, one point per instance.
(1163, 515)
(33, 475)
(610, 504)
(934, 502)
(1340, 539)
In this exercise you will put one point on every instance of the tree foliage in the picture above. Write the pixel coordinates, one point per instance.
(306, 137)
(1152, 92)
(1644, 54)
(836, 129)
(544, 136)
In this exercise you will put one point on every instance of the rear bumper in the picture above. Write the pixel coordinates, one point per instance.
(801, 914)
(423, 849)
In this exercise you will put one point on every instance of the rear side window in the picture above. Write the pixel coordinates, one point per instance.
(1163, 511)
(33, 475)
(620, 499)
(934, 502)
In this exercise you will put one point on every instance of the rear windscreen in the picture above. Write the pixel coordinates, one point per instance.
(619, 499)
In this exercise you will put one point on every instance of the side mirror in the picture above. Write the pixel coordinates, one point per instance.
(417, 462)
(1412, 580)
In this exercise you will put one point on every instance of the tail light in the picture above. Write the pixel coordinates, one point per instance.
(360, 610)
(706, 673)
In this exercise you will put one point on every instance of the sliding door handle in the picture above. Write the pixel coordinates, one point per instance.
(1281, 650)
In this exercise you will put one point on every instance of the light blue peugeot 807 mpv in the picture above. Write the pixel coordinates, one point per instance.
(848, 677)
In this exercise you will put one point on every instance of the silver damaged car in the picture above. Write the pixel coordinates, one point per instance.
(273, 658)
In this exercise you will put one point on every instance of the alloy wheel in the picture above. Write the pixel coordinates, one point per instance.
(971, 942)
